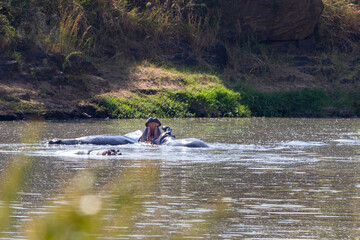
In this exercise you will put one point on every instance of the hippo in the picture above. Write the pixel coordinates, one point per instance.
(104, 152)
(151, 134)
(96, 140)
(167, 138)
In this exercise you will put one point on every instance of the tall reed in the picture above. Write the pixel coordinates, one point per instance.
(71, 34)
(7, 32)
(12, 180)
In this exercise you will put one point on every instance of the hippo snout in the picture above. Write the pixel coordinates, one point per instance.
(54, 141)
(112, 152)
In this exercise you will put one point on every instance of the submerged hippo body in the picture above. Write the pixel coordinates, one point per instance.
(96, 140)
(103, 152)
(169, 139)
(186, 142)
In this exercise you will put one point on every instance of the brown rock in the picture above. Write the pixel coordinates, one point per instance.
(273, 20)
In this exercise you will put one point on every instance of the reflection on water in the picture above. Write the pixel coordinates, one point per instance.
(283, 178)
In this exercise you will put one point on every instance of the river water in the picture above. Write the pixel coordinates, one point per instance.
(279, 178)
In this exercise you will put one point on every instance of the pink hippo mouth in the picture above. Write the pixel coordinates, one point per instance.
(152, 130)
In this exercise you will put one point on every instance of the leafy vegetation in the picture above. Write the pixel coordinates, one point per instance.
(345, 101)
(88, 213)
(196, 102)
(304, 103)
(7, 32)
(72, 32)
(307, 103)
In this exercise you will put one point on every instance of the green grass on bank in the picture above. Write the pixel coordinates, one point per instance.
(196, 102)
(303, 103)
(221, 102)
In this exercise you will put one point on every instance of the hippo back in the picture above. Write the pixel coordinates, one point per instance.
(188, 142)
(106, 140)
(96, 140)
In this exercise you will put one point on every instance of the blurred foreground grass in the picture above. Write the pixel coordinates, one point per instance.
(86, 210)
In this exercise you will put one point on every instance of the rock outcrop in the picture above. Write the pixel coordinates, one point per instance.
(271, 20)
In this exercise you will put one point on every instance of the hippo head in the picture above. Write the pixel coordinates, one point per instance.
(152, 130)
(152, 120)
(64, 141)
(166, 129)
(167, 133)
(55, 141)
(111, 152)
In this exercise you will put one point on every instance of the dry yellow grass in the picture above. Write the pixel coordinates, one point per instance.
(340, 24)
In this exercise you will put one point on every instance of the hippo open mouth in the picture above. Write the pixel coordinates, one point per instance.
(152, 130)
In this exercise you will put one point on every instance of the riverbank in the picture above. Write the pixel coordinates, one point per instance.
(117, 90)
(183, 60)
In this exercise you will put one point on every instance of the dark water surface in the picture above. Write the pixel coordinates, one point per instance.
(281, 178)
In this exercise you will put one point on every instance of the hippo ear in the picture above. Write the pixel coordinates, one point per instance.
(148, 121)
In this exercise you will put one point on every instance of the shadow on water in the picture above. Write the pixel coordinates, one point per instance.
(260, 179)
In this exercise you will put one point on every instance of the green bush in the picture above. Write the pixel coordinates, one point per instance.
(213, 102)
(204, 102)
(305, 103)
(142, 107)
(344, 100)
(302, 103)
